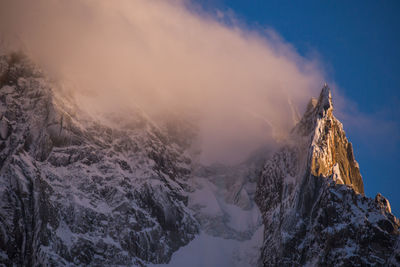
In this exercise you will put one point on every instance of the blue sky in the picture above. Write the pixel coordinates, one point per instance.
(358, 43)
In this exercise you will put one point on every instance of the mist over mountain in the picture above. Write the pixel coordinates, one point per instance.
(149, 133)
(163, 57)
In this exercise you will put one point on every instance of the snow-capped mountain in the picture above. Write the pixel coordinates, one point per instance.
(311, 196)
(76, 190)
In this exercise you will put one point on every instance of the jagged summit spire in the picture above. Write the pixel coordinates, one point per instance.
(316, 109)
(331, 153)
(325, 101)
(312, 191)
(326, 91)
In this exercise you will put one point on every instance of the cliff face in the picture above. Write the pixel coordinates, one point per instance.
(74, 191)
(311, 197)
(330, 151)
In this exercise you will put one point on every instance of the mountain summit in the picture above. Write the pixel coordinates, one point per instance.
(311, 197)
(330, 151)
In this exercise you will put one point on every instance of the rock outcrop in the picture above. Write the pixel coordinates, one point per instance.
(311, 197)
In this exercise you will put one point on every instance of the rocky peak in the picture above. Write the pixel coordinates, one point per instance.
(311, 197)
(383, 203)
(325, 100)
(331, 154)
(316, 110)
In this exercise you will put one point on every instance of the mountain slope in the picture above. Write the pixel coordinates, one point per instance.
(76, 191)
(111, 190)
(311, 198)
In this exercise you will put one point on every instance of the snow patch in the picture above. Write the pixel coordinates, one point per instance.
(211, 251)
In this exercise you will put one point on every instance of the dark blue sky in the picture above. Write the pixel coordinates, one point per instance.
(358, 43)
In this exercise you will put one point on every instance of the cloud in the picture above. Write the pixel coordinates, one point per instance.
(164, 56)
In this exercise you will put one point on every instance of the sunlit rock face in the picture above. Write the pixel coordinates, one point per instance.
(74, 191)
(331, 153)
(311, 197)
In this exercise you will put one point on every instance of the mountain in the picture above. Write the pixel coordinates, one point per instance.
(311, 197)
(76, 191)
(124, 190)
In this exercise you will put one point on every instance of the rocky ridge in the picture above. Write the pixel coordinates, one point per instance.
(311, 197)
